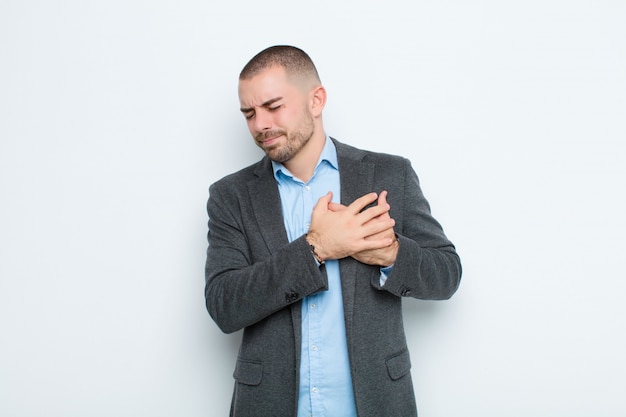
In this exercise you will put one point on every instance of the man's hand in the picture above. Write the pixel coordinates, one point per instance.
(383, 256)
(338, 231)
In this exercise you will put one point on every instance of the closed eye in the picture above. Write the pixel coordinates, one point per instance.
(269, 105)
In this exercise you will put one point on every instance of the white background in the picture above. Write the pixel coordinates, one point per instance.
(116, 116)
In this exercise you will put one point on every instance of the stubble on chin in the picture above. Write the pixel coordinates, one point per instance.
(293, 142)
(280, 153)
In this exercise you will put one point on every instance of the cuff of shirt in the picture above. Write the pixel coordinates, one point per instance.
(384, 273)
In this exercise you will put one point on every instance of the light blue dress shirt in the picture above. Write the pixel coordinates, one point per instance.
(325, 379)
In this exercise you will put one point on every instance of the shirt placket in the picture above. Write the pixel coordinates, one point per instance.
(314, 321)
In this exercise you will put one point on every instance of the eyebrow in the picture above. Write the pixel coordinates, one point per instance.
(265, 104)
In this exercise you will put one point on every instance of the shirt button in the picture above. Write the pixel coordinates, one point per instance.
(314, 389)
(314, 347)
(307, 188)
(313, 306)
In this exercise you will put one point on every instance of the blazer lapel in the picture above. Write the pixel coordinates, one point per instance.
(357, 178)
(265, 201)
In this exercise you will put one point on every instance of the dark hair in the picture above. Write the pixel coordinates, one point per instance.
(294, 60)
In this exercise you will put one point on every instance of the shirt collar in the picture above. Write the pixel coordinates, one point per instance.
(329, 154)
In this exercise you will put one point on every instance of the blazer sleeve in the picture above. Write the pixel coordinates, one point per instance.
(427, 265)
(245, 281)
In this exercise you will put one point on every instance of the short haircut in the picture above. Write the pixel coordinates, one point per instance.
(294, 60)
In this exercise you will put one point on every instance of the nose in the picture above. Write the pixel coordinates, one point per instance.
(262, 120)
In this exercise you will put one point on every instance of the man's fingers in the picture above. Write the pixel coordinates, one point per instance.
(379, 225)
(336, 206)
(382, 198)
(373, 212)
(362, 202)
(374, 244)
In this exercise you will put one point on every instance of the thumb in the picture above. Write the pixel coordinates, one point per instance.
(324, 200)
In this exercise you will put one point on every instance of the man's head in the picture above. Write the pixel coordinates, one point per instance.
(295, 61)
(282, 99)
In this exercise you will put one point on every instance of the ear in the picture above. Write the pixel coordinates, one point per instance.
(317, 100)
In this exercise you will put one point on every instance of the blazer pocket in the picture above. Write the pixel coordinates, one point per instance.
(399, 364)
(248, 372)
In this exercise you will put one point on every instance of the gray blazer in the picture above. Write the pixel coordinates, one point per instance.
(256, 279)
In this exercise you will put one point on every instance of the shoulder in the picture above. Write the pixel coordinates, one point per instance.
(240, 178)
(345, 151)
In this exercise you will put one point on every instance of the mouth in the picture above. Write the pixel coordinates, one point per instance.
(269, 141)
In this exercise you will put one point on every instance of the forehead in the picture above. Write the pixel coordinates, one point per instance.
(271, 83)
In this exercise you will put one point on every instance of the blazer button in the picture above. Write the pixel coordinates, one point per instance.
(291, 296)
(406, 292)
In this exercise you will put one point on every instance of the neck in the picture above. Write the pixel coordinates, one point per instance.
(303, 164)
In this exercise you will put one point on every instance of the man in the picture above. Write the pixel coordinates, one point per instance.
(310, 251)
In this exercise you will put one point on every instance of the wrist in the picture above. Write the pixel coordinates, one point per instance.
(314, 247)
(392, 253)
